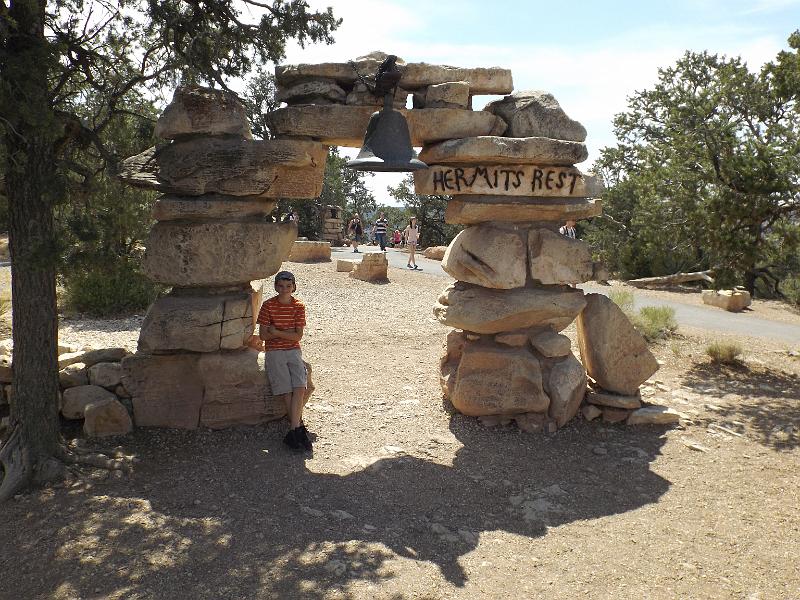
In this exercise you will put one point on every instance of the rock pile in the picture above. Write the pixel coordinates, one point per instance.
(213, 245)
(91, 388)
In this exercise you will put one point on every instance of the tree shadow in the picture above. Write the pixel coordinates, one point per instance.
(233, 515)
(770, 400)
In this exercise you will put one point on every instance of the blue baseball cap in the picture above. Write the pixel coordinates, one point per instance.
(286, 276)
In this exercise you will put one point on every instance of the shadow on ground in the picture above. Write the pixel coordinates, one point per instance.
(233, 515)
(766, 399)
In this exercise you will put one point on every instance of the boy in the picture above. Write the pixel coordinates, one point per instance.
(281, 321)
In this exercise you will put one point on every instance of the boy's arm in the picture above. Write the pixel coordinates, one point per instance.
(288, 334)
(264, 333)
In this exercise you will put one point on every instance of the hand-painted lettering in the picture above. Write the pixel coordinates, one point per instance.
(536, 182)
(460, 178)
(548, 180)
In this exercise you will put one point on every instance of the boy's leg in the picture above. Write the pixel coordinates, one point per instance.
(297, 403)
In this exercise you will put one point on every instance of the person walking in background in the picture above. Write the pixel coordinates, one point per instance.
(568, 229)
(380, 231)
(411, 234)
(397, 238)
(354, 231)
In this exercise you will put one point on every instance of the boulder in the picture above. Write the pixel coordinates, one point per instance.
(654, 415)
(310, 92)
(77, 398)
(483, 310)
(548, 181)
(216, 253)
(210, 206)
(344, 265)
(7, 370)
(454, 94)
(64, 348)
(198, 323)
(472, 210)
(496, 150)
(237, 391)
(167, 390)
(557, 259)
(590, 412)
(515, 339)
(373, 267)
(106, 374)
(488, 256)
(614, 400)
(236, 167)
(305, 251)
(494, 380)
(614, 415)
(7, 346)
(730, 300)
(73, 375)
(435, 252)
(550, 344)
(338, 125)
(448, 363)
(615, 355)
(536, 114)
(196, 110)
(567, 385)
(92, 357)
(64, 360)
(106, 417)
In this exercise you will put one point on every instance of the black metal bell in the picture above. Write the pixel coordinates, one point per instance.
(387, 143)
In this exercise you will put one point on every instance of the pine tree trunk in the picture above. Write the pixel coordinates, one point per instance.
(31, 185)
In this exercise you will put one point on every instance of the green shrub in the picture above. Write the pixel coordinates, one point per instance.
(107, 291)
(726, 353)
(656, 322)
(623, 299)
(790, 288)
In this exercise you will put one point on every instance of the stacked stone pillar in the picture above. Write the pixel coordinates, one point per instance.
(212, 245)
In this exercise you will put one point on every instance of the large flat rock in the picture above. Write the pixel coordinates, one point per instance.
(494, 380)
(567, 388)
(507, 180)
(481, 80)
(197, 110)
(557, 259)
(483, 310)
(210, 206)
(236, 167)
(472, 210)
(216, 253)
(337, 125)
(488, 256)
(202, 323)
(615, 355)
(535, 113)
(497, 150)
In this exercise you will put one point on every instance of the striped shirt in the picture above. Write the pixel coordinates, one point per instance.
(284, 317)
(380, 225)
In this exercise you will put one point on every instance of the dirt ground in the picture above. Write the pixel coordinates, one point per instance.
(402, 499)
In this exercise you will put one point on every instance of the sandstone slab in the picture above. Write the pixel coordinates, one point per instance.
(454, 94)
(197, 323)
(73, 375)
(481, 80)
(196, 110)
(557, 259)
(373, 267)
(547, 181)
(210, 206)
(337, 125)
(615, 355)
(306, 251)
(105, 374)
(654, 415)
(536, 114)
(77, 398)
(166, 390)
(106, 417)
(483, 310)
(345, 74)
(496, 150)
(236, 167)
(550, 344)
(567, 387)
(590, 412)
(361, 96)
(434, 252)
(614, 415)
(473, 210)
(92, 357)
(730, 300)
(216, 253)
(614, 400)
(309, 92)
(488, 256)
(344, 265)
(498, 381)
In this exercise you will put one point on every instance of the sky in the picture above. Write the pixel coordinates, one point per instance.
(590, 55)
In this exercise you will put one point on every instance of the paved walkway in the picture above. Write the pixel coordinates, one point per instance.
(690, 315)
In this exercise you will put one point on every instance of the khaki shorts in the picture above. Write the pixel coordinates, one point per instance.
(285, 370)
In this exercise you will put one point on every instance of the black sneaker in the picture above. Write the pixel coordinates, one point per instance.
(301, 435)
(291, 440)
